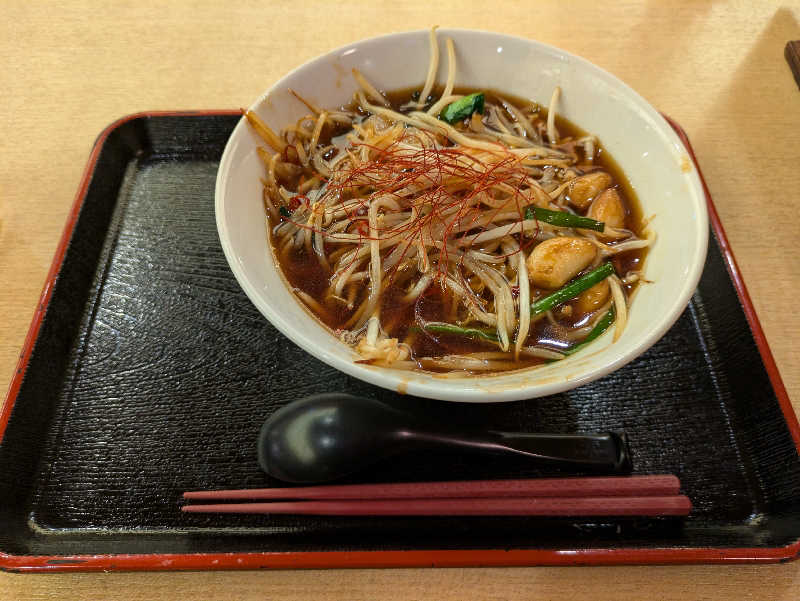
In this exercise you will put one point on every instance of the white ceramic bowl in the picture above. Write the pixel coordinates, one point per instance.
(635, 134)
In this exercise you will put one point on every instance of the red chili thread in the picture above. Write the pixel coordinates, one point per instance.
(394, 171)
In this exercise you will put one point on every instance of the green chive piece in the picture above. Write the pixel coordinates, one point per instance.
(447, 328)
(563, 219)
(600, 327)
(463, 108)
(572, 289)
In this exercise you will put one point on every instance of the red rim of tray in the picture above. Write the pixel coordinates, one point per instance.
(376, 559)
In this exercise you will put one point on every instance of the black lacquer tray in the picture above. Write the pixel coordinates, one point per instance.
(147, 372)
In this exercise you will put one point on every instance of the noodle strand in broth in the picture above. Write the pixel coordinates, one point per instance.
(423, 228)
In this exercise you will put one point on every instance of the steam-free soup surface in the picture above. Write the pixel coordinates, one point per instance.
(405, 320)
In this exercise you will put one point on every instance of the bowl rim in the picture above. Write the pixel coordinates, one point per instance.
(458, 389)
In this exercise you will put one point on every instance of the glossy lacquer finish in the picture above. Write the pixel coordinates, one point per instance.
(148, 373)
(331, 435)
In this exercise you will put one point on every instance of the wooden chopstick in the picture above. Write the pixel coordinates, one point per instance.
(652, 506)
(792, 54)
(619, 486)
(656, 495)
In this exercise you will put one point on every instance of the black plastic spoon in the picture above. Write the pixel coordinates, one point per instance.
(327, 436)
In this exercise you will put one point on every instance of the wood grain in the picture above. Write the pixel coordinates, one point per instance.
(716, 67)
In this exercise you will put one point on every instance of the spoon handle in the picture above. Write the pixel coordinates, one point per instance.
(605, 452)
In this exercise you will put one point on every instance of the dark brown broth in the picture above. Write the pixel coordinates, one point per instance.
(304, 272)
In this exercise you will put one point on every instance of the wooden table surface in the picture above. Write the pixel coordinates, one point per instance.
(69, 69)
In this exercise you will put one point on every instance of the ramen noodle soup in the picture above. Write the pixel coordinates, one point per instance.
(451, 230)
